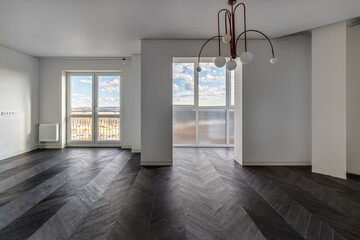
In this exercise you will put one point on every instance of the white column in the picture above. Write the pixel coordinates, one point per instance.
(238, 114)
(329, 100)
(353, 99)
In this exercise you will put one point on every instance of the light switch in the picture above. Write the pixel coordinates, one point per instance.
(8, 113)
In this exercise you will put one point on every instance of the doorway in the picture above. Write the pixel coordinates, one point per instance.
(203, 104)
(93, 109)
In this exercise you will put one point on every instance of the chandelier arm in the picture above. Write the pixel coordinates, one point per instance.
(218, 20)
(228, 14)
(227, 19)
(244, 8)
(226, 27)
(252, 30)
(217, 36)
(233, 43)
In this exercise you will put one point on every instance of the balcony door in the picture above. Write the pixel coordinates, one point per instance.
(93, 109)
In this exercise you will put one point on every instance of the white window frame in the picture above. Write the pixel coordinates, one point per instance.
(228, 107)
(95, 116)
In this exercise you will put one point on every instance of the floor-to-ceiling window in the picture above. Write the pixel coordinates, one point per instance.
(93, 109)
(203, 104)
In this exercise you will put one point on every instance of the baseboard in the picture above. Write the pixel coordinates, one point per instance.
(53, 145)
(156, 163)
(126, 146)
(29, 149)
(275, 163)
(136, 150)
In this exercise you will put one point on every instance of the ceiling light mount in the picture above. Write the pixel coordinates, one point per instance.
(231, 2)
(229, 37)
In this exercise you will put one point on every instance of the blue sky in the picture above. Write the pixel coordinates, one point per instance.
(212, 84)
(81, 91)
(109, 91)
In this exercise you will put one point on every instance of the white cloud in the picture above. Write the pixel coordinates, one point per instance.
(111, 99)
(86, 81)
(212, 78)
(181, 67)
(207, 67)
(175, 87)
(76, 95)
(184, 94)
(211, 101)
(183, 98)
(184, 72)
(203, 87)
(184, 77)
(109, 102)
(110, 86)
(81, 102)
(189, 85)
(212, 96)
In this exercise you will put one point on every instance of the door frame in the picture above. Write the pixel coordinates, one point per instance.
(94, 142)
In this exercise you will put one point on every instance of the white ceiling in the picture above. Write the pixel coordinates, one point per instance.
(109, 28)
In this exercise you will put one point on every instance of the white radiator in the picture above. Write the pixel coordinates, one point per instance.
(48, 132)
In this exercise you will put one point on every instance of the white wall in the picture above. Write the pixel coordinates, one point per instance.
(353, 99)
(329, 100)
(18, 92)
(277, 103)
(52, 94)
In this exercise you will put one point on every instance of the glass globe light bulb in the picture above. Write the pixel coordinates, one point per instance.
(226, 38)
(220, 62)
(273, 60)
(246, 57)
(231, 65)
(198, 69)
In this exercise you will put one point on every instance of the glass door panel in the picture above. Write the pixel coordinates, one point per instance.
(212, 126)
(184, 126)
(81, 129)
(108, 107)
(231, 126)
(81, 95)
(108, 129)
(80, 122)
(109, 95)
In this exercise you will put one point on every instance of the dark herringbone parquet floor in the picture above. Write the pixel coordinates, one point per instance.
(103, 193)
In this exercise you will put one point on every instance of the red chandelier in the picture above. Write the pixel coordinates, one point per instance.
(229, 37)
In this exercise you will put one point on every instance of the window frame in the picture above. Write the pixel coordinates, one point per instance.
(94, 115)
(228, 107)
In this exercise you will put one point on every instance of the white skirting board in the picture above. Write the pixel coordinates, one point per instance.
(126, 146)
(156, 163)
(276, 163)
